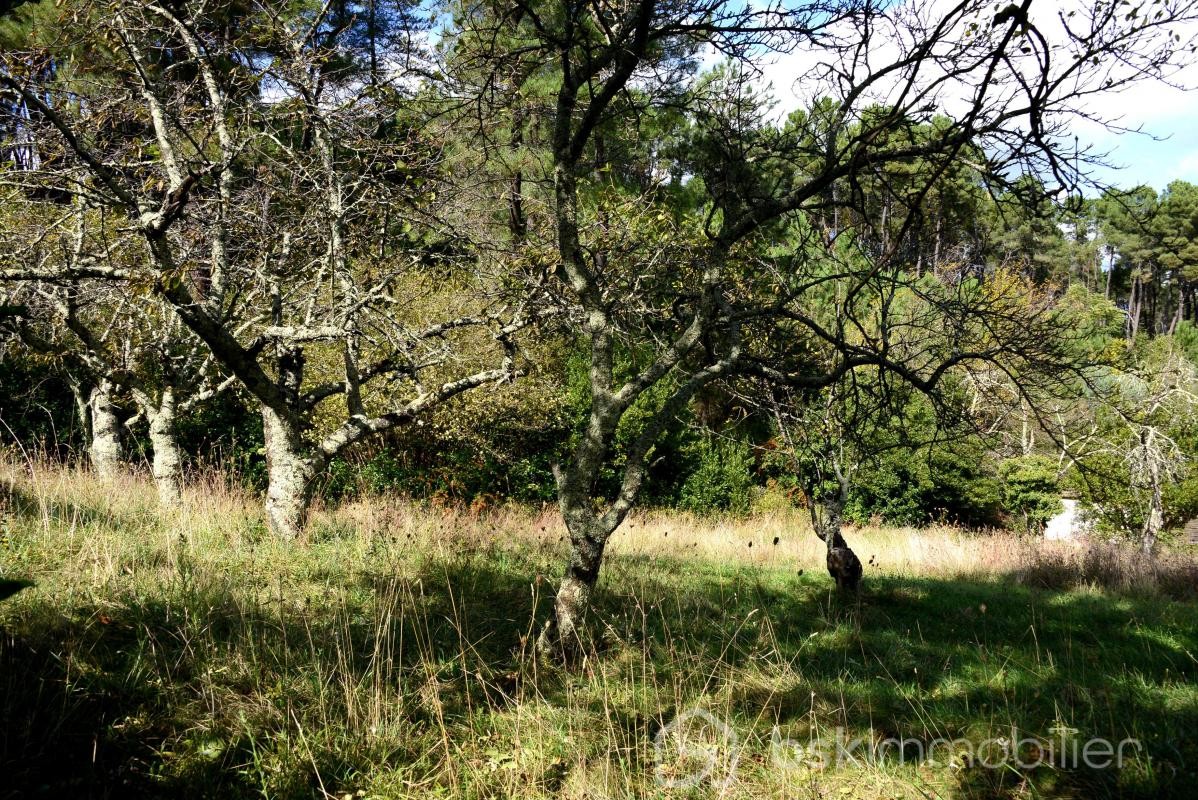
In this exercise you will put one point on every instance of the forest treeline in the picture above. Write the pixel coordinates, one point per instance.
(572, 253)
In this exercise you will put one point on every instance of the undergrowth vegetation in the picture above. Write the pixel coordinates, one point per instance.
(190, 654)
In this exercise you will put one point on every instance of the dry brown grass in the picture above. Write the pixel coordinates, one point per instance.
(1115, 566)
(216, 509)
(784, 540)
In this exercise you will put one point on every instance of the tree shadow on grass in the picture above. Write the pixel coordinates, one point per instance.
(57, 725)
(203, 689)
(209, 690)
(947, 659)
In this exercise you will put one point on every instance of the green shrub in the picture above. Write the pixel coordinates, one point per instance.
(722, 479)
(891, 489)
(1030, 491)
(965, 489)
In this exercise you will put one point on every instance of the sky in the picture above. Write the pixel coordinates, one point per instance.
(1166, 150)
(1171, 116)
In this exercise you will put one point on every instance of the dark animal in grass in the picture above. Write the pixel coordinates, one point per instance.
(843, 565)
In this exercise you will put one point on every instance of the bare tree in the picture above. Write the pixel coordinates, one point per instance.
(92, 388)
(112, 348)
(257, 180)
(1149, 405)
(688, 299)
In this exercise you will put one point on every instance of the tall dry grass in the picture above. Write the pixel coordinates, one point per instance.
(188, 653)
(784, 539)
(223, 514)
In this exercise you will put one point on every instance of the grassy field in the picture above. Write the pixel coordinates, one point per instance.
(190, 655)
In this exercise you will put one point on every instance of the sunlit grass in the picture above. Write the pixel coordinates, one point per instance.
(190, 654)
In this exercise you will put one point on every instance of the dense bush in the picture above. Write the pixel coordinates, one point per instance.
(721, 476)
(892, 489)
(1030, 491)
(965, 485)
(918, 485)
(36, 406)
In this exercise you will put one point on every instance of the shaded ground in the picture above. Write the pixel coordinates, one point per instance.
(148, 667)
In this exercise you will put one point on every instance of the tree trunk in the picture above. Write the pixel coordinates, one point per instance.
(167, 464)
(563, 634)
(843, 564)
(1133, 309)
(1110, 271)
(936, 246)
(1156, 514)
(1178, 315)
(1154, 308)
(290, 473)
(82, 396)
(105, 445)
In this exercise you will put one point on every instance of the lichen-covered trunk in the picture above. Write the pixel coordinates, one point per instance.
(167, 464)
(82, 396)
(563, 636)
(104, 447)
(291, 469)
